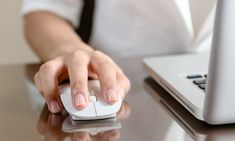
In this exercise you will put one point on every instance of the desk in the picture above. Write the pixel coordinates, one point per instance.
(145, 118)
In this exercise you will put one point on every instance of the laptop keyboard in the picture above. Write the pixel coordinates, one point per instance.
(198, 80)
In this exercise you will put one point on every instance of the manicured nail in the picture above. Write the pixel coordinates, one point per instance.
(54, 106)
(79, 100)
(112, 95)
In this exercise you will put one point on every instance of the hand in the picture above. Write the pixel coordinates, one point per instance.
(49, 126)
(77, 67)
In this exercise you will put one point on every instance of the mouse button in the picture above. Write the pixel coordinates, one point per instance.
(104, 109)
(87, 112)
(66, 99)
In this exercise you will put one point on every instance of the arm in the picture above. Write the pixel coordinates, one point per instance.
(66, 56)
(51, 36)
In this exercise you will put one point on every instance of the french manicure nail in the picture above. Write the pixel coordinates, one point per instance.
(79, 100)
(112, 95)
(54, 106)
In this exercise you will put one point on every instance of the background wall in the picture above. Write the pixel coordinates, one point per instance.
(13, 48)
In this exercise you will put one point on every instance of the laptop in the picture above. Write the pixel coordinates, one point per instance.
(204, 83)
(196, 129)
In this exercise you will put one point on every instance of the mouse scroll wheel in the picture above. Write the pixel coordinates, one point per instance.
(92, 96)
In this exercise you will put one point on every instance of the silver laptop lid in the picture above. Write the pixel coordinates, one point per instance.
(220, 95)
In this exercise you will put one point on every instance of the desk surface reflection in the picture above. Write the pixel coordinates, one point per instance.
(144, 115)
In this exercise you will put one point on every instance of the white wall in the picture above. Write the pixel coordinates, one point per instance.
(13, 48)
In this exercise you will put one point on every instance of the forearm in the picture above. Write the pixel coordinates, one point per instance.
(51, 36)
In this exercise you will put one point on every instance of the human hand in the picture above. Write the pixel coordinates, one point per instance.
(77, 67)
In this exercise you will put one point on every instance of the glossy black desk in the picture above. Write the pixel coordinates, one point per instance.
(146, 115)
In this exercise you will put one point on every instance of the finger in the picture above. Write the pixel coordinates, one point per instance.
(78, 74)
(48, 74)
(42, 122)
(37, 83)
(111, 135)
(81, 136)
(124, 111)
(91, 74)
(124, 84)
(55, 120)
(107, 76)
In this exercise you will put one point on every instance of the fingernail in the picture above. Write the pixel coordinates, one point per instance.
(54, 106)
(112, 95)
(79, 100)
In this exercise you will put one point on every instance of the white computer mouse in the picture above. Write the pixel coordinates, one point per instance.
(96, 109)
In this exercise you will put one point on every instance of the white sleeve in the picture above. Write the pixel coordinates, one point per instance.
(70, 10)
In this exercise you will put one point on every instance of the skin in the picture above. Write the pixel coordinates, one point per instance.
(66, 56)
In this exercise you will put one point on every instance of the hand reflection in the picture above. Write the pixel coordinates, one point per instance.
(49, 126)
(112, 135)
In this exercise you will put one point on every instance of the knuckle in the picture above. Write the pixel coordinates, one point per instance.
(78, 84)
(78, 54)
(47, 67)
(100, 59)
(75, 61)
(51, 94)
(76, 57)
(97, 55)
(105, 64)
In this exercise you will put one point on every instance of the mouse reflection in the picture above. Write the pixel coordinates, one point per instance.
(50, 127)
